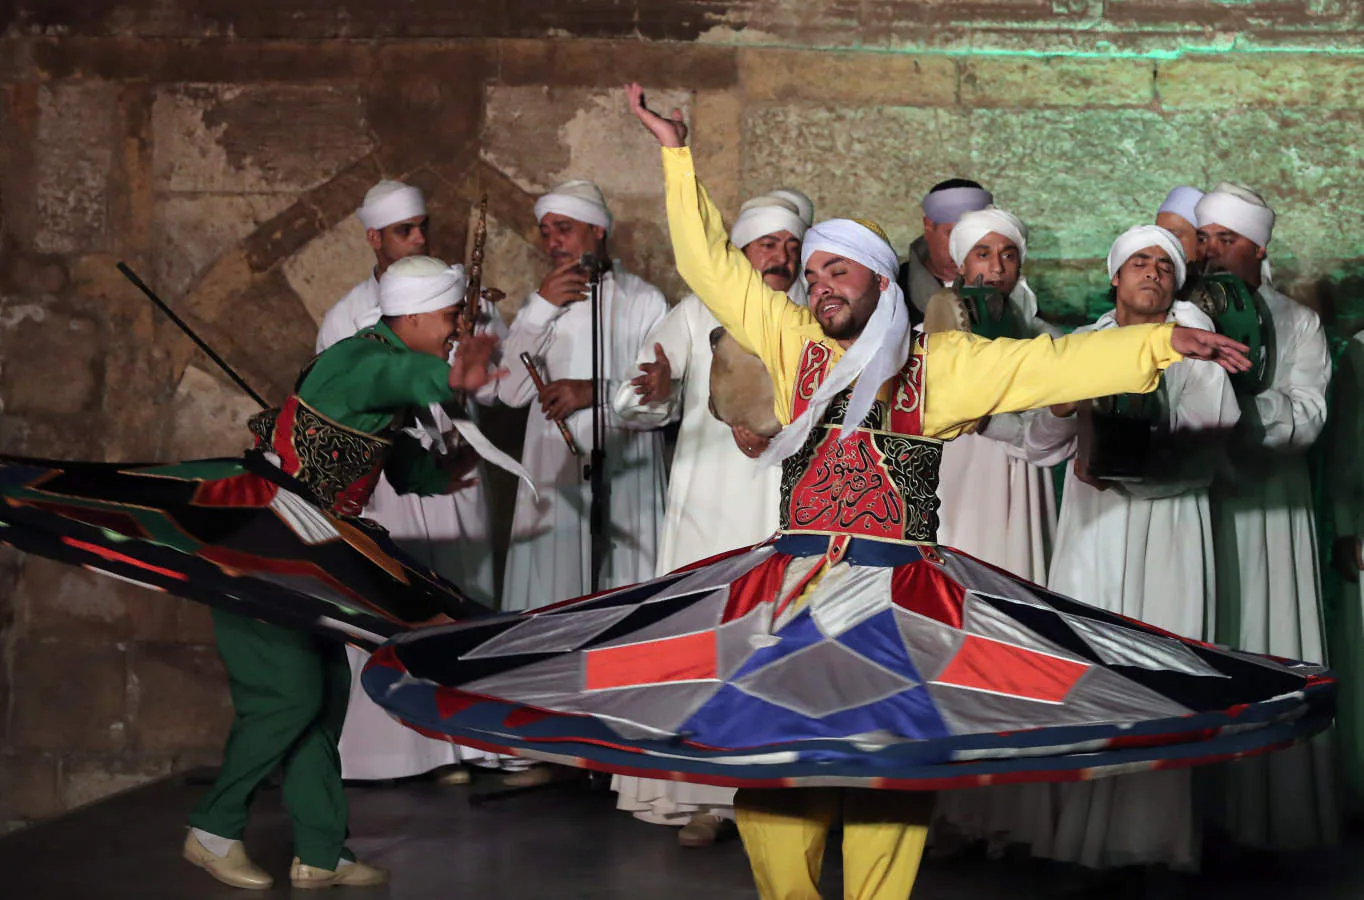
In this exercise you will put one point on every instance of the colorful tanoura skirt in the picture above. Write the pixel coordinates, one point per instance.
(226, 532)
(793, 663)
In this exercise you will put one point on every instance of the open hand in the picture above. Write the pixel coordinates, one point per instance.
(1196, 343)
(472, 368)
(562, 398)
(670, 132)
(654, 385)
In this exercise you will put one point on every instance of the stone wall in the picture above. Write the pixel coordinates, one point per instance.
(220, 149)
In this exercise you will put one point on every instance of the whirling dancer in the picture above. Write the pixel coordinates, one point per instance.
(851, 652)
(274, 543)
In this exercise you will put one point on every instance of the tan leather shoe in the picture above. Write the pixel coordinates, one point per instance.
(357, 874)
(235, 869)
(700, 831)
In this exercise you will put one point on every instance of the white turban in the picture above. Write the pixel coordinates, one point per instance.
(417, 284)
(1243, 211)
(1140, 237)
(973, 226)
(805, 207)
(879, 352)
(390, 201)
(948, 205)
(579, 200)
(1183, 202)
(764, 215)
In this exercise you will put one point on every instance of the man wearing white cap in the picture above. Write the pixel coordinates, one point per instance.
(1178, 215)
(289, 688)
(848, 372)
(929, 266)
(1269, 593)
(997, 504)
(1143, 549)
(548, 558)
(449, 532)
(719, 497)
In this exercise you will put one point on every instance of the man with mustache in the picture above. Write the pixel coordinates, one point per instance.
(863, 400)
(448, 532)
(929, 266)
(718, 497)
(1143, 549)
(1268, 591)
(550, 537)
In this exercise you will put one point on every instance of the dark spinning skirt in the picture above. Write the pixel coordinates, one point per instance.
(227, 532)
(869, 665)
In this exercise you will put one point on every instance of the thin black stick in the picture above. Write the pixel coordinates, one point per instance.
(160, 304)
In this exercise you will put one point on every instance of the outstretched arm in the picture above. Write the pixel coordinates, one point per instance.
(967, 377)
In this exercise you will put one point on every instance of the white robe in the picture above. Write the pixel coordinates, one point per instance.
(548, 559)
(718, 499)
(1145, 550)
(449, 533)
(1269, 594)
(999, 507)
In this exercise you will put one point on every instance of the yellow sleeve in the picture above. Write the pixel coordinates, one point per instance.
(765, 322)
(967, 377)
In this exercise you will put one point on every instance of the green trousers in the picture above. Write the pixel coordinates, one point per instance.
(290, 691)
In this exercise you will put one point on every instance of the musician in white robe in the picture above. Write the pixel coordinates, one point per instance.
(548, 558)
(448, 532)
(719, 496)
(1268, 585)
(996, 504)
(929, 266)
(1142, 548)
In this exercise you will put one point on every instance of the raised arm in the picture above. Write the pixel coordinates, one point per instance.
(764, 321)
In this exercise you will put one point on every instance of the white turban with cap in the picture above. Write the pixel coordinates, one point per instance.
(579, 200)
(417, 284)
(948, 205)
(879, 352)
(391, 201)
(805, 207)
(1140, 237)
(1243, 211)
(767, 214)
(973, 226)
(1183, 202)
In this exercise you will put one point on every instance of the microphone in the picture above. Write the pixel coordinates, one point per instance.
(593, 265)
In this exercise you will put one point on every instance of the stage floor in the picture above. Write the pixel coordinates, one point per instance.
(562, 842)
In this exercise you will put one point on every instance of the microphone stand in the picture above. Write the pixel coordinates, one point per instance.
(596, 466)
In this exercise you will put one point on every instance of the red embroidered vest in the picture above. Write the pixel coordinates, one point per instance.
(339, 465)
(882, 482)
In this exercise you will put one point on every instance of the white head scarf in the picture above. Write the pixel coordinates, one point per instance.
(1183, 202)
(578, 199)
(974, 225)
(764, 215)
(417, 284)
(1244, 212)
(948, 205)
(805, 207)
(390, 201)
(1139, 237)
(877, 354)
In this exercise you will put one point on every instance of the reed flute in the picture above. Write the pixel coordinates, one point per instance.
(540, 386)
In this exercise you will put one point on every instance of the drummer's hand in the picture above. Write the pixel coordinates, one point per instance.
(670, 132)
(750, 443)
(1064, 410)
(1082, 474)
(1196, 343)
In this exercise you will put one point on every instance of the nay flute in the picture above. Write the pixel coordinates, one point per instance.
(540, 386)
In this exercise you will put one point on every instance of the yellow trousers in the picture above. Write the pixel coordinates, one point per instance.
(883, 840)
